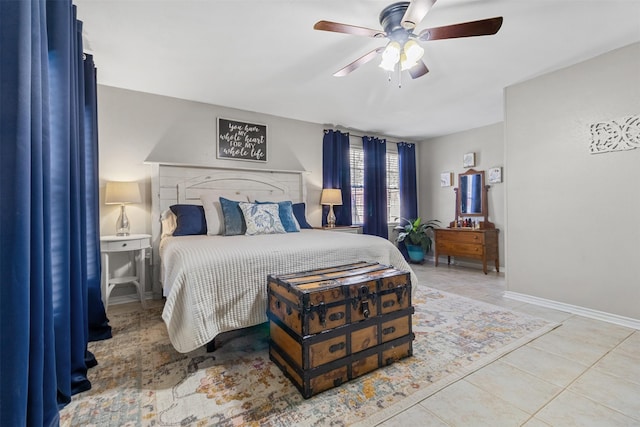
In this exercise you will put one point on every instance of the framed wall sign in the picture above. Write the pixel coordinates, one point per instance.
(445, 179)
(469, 160)
(495, 175)
(241, 141)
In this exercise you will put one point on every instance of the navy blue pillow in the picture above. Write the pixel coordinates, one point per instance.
(298, 211)
(233, 219)
(287, 218)
(189, 220)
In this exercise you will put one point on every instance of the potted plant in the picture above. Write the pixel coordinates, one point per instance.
(416, 236)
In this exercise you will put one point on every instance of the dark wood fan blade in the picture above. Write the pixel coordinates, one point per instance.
(418, 70)
(358, 62)
(483, 27)
(348, 29)
(416, 12)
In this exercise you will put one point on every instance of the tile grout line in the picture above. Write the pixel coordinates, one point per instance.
(589, 368)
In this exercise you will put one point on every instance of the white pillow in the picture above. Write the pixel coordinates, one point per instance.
(169, 223)
(262, 218)
(213, 210)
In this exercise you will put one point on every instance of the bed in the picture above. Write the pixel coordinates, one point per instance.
(216, 283)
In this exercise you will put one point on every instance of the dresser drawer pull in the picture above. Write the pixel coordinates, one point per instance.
(336, 347)
(389, 330)
(124, 244)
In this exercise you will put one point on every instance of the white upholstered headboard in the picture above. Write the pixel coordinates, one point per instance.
(172, 184)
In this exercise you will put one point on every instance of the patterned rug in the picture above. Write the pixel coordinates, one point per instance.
(142, 381)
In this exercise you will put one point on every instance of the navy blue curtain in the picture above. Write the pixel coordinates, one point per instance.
(375, 187)
(336, 173)
(408, 186)
(47, 259)
(407, 175)
(99, 328)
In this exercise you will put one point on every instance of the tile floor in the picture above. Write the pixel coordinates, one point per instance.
(584, 373)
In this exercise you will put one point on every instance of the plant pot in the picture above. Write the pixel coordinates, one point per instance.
(416, 254)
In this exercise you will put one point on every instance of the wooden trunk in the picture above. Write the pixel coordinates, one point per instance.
(331, 325)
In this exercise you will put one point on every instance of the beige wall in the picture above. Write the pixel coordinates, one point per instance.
(572, 217)
(444, 154)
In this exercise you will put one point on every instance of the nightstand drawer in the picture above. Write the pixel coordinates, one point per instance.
(121, 245)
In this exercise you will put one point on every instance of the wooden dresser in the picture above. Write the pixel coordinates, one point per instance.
(468, 243)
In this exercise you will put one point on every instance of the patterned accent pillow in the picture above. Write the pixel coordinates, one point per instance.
(261, 218)
(288, 220)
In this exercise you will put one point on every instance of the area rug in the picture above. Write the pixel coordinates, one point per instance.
(142, 381)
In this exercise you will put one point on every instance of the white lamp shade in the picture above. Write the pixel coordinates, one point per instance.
(390, 56)
(413, 51)
(331, 196)
(118, 193)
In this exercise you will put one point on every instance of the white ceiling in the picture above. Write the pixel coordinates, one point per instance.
(264, 56)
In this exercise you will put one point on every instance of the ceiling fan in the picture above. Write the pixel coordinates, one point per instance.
(399, 21)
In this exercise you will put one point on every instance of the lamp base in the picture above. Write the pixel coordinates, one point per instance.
(331, 218)
(122, 224)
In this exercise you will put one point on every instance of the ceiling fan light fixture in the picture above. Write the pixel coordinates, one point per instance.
(413, 51)
(390, 56)
(405, 64)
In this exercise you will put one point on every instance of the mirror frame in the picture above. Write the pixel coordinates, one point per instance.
(483, 201)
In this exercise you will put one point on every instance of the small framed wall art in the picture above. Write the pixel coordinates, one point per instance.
(495, 175)
(469, 160)
(445, 179)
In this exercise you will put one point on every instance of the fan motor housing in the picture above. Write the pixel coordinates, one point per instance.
(391, 16)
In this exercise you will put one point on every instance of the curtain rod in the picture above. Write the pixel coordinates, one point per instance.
(361, 136)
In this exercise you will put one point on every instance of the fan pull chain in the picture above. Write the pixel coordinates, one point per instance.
(399, 78)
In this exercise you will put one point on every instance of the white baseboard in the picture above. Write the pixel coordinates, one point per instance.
(574, 309)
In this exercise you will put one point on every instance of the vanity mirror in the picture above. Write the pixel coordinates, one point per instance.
(471, 198)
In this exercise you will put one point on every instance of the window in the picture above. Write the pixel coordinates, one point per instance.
(357, 186)
(393, 188)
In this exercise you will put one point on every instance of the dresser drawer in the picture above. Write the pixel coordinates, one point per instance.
(462, 250)
(121, 245)
(460, 236)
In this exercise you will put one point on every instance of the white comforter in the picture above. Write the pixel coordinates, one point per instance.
(215, 284)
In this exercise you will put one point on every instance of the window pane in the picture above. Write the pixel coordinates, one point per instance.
(357, 186)
(393, 185)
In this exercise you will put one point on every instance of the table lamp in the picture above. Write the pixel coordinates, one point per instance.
(331, 196)
(121, 193)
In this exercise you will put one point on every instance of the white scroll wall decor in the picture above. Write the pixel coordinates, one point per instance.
(615, 135)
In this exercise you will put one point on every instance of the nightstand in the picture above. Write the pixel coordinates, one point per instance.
(353, 229)
(136, 245)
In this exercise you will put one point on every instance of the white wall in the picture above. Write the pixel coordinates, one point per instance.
(444, 154)
(573, 233)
